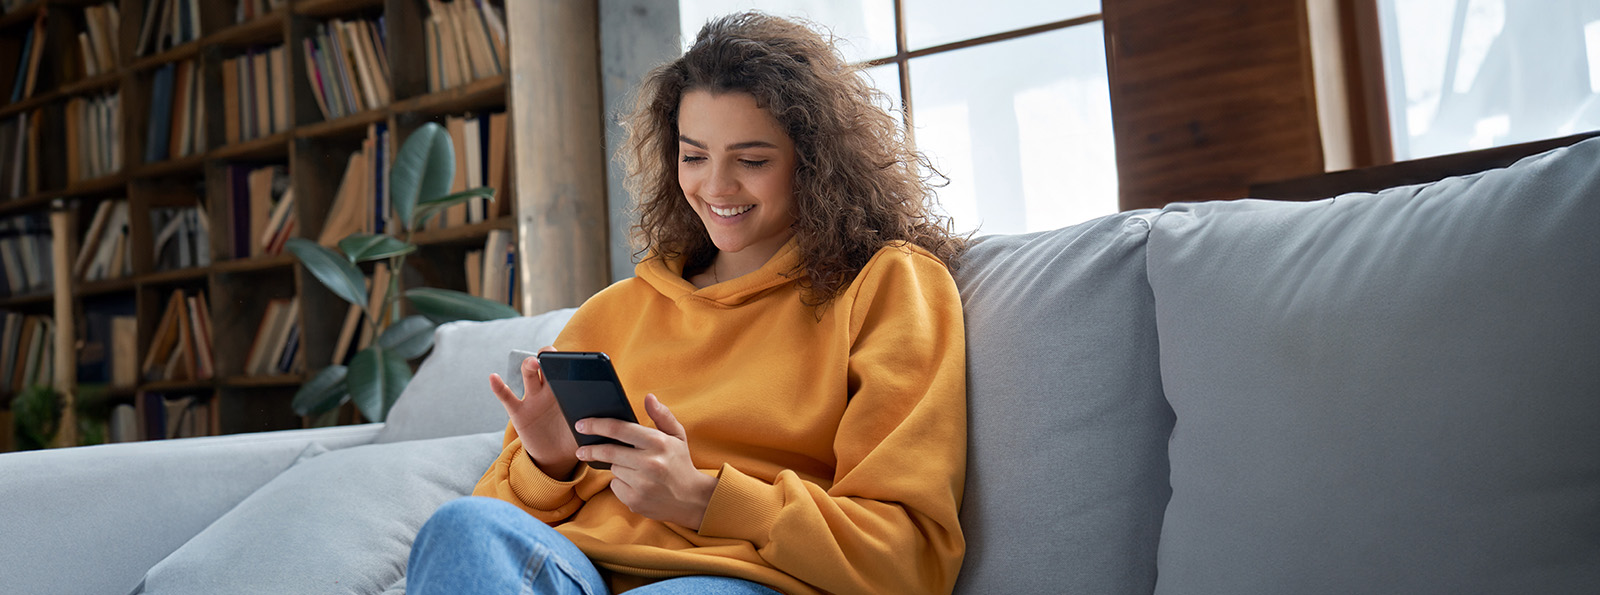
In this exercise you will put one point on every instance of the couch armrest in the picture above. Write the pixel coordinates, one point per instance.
(93, 519)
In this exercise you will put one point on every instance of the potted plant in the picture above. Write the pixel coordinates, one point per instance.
(419, 188)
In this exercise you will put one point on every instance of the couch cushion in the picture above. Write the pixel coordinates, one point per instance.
(449, 395)
(335, 522)
(1393, 393)
(1067, 470)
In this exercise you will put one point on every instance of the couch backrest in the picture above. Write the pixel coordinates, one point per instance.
(1067, 426)
(1395, 392)
(449, 396)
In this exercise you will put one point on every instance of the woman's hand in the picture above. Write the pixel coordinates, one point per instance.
(655, 478)
(538, 420)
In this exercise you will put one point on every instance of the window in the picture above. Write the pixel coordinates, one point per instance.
(1470, 74)
(1009, 99)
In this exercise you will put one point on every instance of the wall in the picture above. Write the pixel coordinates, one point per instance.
(635, 36)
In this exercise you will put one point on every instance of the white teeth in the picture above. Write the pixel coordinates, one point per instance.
(729, 212)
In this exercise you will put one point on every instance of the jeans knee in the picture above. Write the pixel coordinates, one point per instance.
(465, 518)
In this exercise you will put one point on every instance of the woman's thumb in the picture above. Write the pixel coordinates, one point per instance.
(665, 421)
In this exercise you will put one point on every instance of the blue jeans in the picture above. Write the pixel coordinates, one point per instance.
(484, 545)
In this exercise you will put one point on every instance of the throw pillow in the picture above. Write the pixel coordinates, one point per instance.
(336, 522)
(1067, 426)
(450, 394)
(1390, 393)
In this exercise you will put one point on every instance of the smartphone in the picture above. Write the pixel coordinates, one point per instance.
(585, 385)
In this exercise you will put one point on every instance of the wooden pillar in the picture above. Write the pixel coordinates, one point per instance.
(1209, 97)
(559, 157)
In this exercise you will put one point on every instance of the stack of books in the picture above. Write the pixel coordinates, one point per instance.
(168, 24)
(19, 154)
(260, 203)
(276, 347)
(25, 255)
(481, 160)
(465, 40)
(23, 75)
(99, 42)
(105, 252)
(182, 238)
(177, 112)
(255, 94)
(347, 65)
(360, 205)
(94, 136)
(181, 346)
(27, 355)
(109, 351)
(492, 271)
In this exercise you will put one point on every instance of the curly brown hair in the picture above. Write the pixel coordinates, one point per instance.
(857, 183)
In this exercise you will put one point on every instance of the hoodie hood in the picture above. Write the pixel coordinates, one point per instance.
(666, 277)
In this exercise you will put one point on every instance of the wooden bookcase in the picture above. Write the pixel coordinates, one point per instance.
(314, 152)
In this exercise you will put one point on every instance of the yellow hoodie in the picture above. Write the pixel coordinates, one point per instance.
(838, 435)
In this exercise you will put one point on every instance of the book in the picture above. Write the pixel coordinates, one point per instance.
(349, 202)
(200, 335)
(278, 220)
(124, 424)
(164, 339)
(156, 145)
(230, 100)
(91, 66)
(472, 157)
(314, 76)
(498, 158)
(456, 214)
(261, 105)
(91, 238)
(279, 82)
(124, 351)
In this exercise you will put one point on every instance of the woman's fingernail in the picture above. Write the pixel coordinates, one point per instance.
(582, 425)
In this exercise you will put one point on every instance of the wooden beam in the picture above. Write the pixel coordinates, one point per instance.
(1208, 97)
(558, 152)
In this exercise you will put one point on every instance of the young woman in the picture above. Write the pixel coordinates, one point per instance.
(796, 337)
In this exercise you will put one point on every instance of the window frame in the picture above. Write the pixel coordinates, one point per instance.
(903, 56)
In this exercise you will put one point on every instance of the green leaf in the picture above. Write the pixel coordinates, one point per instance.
(408, 338)
(365, 247)
(444, 305)
(427, 208)
(324, 392)
(377, 376)
(424, 169)
(333, 270)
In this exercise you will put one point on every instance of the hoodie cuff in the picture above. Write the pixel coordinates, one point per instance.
(742, 507)
(540, 491)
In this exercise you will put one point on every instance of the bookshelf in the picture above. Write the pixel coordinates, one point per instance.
(190, 158)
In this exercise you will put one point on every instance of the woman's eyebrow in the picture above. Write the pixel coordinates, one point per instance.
(749, 144)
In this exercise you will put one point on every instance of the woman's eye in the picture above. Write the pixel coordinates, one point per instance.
(753, 164)
(692, 158)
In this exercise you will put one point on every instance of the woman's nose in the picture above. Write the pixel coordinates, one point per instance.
(721, 182)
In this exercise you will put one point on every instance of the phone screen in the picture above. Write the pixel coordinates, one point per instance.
(585, 385)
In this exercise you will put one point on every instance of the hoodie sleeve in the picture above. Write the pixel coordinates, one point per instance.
(514, 478)
(888, 523)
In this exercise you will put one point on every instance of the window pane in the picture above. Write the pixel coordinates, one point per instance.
(1022, 128)
(886, 78)
(935, 22)
(1472, 74)
(865, 26)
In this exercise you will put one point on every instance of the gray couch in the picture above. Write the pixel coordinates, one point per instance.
(1379, 393)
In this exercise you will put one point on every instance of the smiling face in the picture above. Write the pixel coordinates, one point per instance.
(736, 168)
